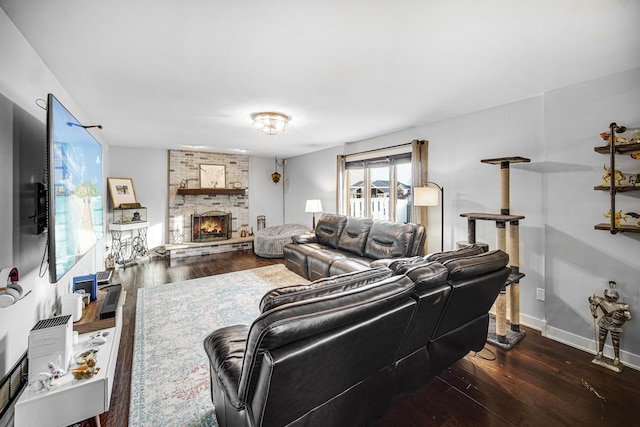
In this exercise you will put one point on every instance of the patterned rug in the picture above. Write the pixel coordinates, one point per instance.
(170, 372)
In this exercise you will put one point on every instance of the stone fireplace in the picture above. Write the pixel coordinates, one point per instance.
(184, 172)
(211, 226)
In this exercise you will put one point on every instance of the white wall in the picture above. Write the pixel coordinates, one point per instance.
(456, 148)
(265, 197)
(580, 261)
(560, 251)
(24, 77)
(149, 171)
(312, 176)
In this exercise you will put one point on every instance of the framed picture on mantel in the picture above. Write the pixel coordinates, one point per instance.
(212, 176)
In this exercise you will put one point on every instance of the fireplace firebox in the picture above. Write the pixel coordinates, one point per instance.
(210, 226)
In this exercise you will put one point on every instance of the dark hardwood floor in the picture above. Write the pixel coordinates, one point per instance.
(539, 383)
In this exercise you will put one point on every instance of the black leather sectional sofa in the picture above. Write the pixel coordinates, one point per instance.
(341, 244)
(339, 350)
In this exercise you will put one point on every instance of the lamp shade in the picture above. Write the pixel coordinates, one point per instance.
(313, 205)
(426, 196)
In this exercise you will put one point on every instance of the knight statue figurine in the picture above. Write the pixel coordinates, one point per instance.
(614, 315)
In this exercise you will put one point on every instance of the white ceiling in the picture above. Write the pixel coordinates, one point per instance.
(167, 74)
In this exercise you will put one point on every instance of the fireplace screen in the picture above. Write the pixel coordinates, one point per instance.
(213, 225)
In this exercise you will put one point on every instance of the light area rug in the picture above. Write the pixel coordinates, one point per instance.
(170, 384)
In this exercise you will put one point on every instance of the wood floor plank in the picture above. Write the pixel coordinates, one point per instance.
(539, 383)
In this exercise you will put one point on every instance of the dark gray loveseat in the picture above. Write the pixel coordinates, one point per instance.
(342, 244)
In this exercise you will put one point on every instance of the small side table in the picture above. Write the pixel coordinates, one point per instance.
(139, 248)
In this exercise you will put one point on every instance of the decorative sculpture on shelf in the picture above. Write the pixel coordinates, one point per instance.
(619, 217)
(635, 215)
(614, 315)
(606, 177)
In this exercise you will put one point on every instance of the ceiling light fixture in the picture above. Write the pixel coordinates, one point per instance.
(270, 123)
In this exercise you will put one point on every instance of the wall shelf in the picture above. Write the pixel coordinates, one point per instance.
(618, 189)
(619, 229)
(612, 188)
(619, 148)
(210, 191)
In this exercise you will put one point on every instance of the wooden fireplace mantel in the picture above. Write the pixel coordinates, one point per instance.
(210, 191)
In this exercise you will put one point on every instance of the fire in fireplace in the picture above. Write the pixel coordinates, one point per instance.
(209, 226)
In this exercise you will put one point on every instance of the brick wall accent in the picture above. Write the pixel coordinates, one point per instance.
(184, 166)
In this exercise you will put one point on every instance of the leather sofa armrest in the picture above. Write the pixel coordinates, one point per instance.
(225, 348)
(395, 263)
(304, 238)
(466, 251)
(476, 265)
(271, 298)
(322, 287)
(426, 275)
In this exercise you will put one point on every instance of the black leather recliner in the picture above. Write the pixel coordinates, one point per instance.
(339, 350)
(320, 356)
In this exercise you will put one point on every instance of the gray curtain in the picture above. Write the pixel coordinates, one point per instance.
(419, 162)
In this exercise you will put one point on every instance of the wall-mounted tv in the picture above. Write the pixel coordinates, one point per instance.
(74, 189)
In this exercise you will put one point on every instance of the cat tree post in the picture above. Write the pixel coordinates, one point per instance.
(501, 301)
(510, 294)
(514, 261)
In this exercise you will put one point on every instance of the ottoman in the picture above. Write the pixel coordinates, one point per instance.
(269, 242)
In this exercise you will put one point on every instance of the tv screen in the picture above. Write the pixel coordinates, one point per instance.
(74, 189)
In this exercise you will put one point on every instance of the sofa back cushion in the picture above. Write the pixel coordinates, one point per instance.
(426, 275)
(458, 253)
(300, 321)
(463, 268)
(329, 227)
(389, 240)
(327, 286)
(354, 236)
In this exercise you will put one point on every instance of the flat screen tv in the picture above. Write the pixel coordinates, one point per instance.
(74, 189)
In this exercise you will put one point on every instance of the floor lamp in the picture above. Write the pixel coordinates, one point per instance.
(313, 206)
(428, 196)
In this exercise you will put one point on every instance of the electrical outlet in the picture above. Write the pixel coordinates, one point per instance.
(540, 294)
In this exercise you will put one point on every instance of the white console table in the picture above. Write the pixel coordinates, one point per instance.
(138, 241)
(75, 400)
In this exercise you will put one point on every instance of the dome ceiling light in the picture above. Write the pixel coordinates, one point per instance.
(270, 123)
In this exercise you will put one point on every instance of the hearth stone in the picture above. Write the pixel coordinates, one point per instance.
(184, 250)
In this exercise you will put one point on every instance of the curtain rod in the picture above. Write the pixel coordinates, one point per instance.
(381, 149)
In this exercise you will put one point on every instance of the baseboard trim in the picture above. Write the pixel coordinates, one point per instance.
(533, 323)
(629, 360)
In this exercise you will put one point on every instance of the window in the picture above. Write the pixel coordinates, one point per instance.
(377, 184)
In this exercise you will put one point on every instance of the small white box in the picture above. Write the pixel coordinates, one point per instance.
(72, 304)
(50, 341)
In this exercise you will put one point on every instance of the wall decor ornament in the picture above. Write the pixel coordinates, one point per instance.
(212, 176)
(275, 177)
(618, 217)
(614, 315)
